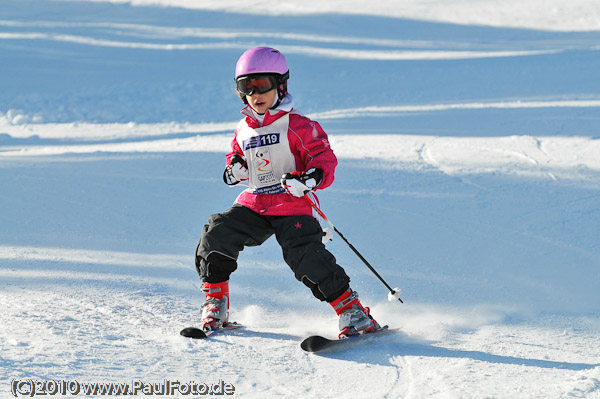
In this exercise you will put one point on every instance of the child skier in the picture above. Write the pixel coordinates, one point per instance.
(282, 156)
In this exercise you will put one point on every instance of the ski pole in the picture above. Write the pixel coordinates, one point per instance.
(394, 292)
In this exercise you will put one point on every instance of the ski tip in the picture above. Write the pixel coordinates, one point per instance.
(193, 332)
(317, 343)
(314, 343)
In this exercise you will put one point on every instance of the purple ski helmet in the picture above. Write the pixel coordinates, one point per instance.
(264, 61)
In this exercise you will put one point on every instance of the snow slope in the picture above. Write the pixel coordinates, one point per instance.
(467, 134)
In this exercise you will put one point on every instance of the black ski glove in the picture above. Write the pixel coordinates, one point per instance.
(236, 171)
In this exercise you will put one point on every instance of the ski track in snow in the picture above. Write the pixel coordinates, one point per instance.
(477, 193)
(389, 55)
(568, 158)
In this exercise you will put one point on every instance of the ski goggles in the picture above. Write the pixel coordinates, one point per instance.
(261, 84)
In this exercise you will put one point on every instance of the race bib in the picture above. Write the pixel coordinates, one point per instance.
(267, 151)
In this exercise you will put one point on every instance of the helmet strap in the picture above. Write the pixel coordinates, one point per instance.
(281, 88)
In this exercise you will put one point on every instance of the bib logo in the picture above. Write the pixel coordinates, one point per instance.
(264, 168)
(263, 162)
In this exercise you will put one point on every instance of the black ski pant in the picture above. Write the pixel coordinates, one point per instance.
(300, 238)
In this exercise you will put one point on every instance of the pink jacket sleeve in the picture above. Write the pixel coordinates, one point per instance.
(310, 145)
(235, 149)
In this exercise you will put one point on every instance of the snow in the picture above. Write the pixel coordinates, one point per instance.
(575, 15)
(469, 176)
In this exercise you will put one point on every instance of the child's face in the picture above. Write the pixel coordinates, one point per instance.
(261, 102)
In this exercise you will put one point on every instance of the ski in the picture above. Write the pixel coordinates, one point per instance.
(197, 333)
(317, 343)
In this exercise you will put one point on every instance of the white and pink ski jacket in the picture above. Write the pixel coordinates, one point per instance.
(287, 141)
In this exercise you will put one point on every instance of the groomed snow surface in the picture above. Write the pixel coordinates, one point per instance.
(469, 175)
